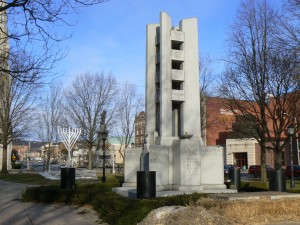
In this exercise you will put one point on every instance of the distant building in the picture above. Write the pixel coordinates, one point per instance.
(117, 149)
(33, 149)
(238, 151)
(218, 131)
(139, 124)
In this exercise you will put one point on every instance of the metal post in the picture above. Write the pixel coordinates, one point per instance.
(104, 133)
(297, 140)
(44, 154)
(103, 149)
(292, 184)
(28, 156)
(113, 161)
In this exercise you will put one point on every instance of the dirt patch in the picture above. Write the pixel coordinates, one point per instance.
(208, 211)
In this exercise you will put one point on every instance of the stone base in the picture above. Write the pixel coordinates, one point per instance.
(185, 166)
(80, 174)
(131, 192)
(214, 186)
(188, 188)
(127, 184)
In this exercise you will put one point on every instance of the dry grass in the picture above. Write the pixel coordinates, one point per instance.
(261, 211)
(208, 211)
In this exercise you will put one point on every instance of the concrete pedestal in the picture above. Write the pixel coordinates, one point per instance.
(186, 166)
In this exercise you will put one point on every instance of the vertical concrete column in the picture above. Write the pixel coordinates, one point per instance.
(191, 109)
(150, 78)
(165, 76)
(175, 117)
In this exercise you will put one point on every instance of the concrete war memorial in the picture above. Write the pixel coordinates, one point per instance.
(173, 149)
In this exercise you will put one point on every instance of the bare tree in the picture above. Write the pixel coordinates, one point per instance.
(291, 24)
(259, 75)
(49, 119)
(87, 97)
(206, 83)
(33, 32)
(129, 104)
(17, 104)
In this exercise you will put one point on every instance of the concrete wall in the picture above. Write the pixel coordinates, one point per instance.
(212, 167)
(241, 145)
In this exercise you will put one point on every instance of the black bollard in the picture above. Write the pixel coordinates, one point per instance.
(277, 180)
(146, 184)
(67, 179)
(235, 177)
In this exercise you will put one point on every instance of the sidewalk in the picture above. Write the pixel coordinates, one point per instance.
(15, 212)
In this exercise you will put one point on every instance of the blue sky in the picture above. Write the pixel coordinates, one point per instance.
(111, 37)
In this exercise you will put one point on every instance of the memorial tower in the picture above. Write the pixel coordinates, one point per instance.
(173, 146)
(172, 80)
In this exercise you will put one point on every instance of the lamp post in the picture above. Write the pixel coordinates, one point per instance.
(297, 139)
(28, 156)
(104, 134)
(113, 150)
(290, 130)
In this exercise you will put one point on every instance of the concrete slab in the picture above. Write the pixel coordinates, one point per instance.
(80, 174)
(130, 192)
(254, 195)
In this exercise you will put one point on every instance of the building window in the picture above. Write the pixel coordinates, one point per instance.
(176, 45)
(176, 85)
(176, 65)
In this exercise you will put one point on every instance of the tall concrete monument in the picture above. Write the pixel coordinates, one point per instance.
(173, 121)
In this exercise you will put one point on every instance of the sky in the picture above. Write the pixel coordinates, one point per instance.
(111, 37)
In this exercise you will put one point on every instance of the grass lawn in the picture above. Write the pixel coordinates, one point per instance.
(111, 207)
(255, 186)
(24, 178)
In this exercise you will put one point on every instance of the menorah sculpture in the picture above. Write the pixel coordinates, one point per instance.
(69, 137)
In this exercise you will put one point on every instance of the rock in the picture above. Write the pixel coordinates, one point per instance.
(161, 215)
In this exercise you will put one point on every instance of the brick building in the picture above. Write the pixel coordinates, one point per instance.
(218, 131)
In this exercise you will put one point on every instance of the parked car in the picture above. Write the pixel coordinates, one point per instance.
(296, 171)
(226, 169)
(254, 170)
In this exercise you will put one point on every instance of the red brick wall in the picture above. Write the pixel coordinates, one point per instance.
(218, 122)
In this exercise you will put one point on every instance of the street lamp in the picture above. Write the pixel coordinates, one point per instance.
(291, 130)
(113, 151)
(28, 156)
(104, 134)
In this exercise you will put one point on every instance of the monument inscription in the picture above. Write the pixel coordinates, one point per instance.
(192, 167)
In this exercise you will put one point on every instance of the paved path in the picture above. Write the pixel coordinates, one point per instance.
(255, 195)
(15, 212)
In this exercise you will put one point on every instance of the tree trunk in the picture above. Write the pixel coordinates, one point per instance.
(278, 160)
(90, 163)
(48, 162)
(263, 163)
(4, 159)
